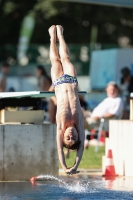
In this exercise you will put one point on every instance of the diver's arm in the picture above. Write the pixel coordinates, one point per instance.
(73, 170)
(60, 148)
(80, 149)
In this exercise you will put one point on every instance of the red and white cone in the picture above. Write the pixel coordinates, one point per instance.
(40, 178)
(109, 169)
(33, 179)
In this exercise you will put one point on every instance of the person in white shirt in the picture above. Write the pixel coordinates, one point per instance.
(110, 107)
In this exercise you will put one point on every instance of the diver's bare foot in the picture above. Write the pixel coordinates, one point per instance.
(60, 30)
(52, 32)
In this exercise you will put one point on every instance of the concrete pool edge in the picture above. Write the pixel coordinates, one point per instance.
(84, 171)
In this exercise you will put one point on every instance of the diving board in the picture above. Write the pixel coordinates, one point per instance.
(31, 94)
(27, 99)
(23, 99)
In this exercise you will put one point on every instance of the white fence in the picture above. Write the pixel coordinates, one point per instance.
(121, 142)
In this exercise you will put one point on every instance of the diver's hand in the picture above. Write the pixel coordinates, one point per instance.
(71, 171)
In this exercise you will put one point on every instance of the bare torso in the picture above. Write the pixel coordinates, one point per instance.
(68, 106)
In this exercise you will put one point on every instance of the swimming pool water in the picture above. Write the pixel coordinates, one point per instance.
(68, 188)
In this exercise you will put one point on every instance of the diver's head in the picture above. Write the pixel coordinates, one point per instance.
(71, 138)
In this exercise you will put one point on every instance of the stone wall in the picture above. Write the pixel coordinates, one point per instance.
(27, 151)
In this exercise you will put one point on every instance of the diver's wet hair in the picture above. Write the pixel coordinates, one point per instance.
(74, 146)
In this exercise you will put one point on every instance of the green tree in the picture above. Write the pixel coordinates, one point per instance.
(77, 19)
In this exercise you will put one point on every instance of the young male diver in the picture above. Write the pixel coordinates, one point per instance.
(69, 116)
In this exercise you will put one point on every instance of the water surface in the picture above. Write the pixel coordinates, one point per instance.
(68, 188)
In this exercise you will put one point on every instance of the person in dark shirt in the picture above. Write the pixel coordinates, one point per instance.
(126, 86)
(3, 76)
(44, 83)
(127, 79)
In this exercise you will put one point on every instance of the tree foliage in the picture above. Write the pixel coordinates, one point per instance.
(78, 19)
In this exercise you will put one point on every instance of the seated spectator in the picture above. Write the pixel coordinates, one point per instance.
(83, 103)
(52, 107)
(126, 85)
(110, 107)
(44, 83)
(126, 81)
(3, 76)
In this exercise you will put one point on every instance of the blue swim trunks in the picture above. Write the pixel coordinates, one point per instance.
(65, 79)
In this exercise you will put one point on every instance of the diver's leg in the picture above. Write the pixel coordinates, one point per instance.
(56, 69)
(68, 67)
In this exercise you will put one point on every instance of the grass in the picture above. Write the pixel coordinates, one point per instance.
(90, 159)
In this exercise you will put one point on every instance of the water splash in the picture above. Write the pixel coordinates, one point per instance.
(50, 177)
(78, 187)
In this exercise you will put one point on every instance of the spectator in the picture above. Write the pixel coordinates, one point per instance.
(52, 107)
(45, 84)
(110, 107)
(4, 72)
(126, 85)
(126, 81)
(44, 81)
(83, 103)
(126, 88)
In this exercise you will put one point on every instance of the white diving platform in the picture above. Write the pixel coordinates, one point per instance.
(11, 101)
(31, 94)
